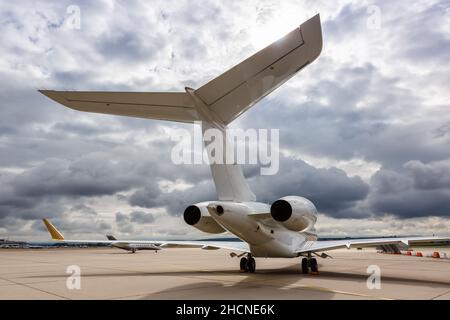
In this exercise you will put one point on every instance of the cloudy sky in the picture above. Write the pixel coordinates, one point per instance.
(364, 131)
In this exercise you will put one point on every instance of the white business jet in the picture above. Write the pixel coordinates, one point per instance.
(285, 229)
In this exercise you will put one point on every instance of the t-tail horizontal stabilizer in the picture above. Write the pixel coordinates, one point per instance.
(216, 103)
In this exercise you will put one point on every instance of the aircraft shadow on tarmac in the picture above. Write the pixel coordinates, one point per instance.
(278, 286)
(251, 286)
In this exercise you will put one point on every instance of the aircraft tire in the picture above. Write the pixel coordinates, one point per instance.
(305, 268)
(243, 264)
(251, 265)
(314, 265)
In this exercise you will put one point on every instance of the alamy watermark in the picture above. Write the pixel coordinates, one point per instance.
(374, 20)
(73, 18)
(73, 281)
(228, 146)
(374, 280)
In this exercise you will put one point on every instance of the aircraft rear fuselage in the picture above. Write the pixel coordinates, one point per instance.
(265, 237)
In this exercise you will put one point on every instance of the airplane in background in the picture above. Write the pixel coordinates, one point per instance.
(284, 229)
(136, 245)
(132, 246)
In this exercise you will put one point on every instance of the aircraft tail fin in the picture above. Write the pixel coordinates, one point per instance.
(218, 102)
(111, 237)
(56, 235)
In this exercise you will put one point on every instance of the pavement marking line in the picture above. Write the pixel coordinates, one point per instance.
(302, 287)
(27, 283)
(170, 290)
(37, 289)
(440, 295)
(185, 289)
(31, 260)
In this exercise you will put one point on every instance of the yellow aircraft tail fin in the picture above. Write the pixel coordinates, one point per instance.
(56, 235)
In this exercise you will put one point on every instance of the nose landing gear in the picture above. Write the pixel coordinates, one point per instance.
(248, 264)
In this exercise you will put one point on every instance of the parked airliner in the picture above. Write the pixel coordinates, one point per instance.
(284, 229)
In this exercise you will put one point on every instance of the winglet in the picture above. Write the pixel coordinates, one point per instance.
(56, 235)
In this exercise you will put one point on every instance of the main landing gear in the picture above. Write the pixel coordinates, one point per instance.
(310, 263)
(248, 264)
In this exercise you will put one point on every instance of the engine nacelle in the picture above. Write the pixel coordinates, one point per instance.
(295, 213)
(197, 215)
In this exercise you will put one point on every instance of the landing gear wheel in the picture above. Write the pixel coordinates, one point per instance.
(251, 265)
(243, 264)
(133, 250)
(314, 266)
(305, 269)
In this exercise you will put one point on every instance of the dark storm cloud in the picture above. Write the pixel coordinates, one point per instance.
(43, 188)
(147, 197)
(129, 47)
(82, 208)
(428, 44)
(429, 176)
(89, 176)
(342, 129)
(71, 80)
(69, 226)
(193, 48)
(174, 202)
(331, 190)
(420, 190)
(443, 131)
(120, 217)
(39, 128)
(5, 130)
(123, 223)
(22, 105)
(80, 218)
(197, 14)
(82, 129)
(26, 209)
(17, 205)
(355, 17)
(141, 217)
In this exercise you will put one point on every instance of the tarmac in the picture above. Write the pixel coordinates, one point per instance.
(109, 273)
